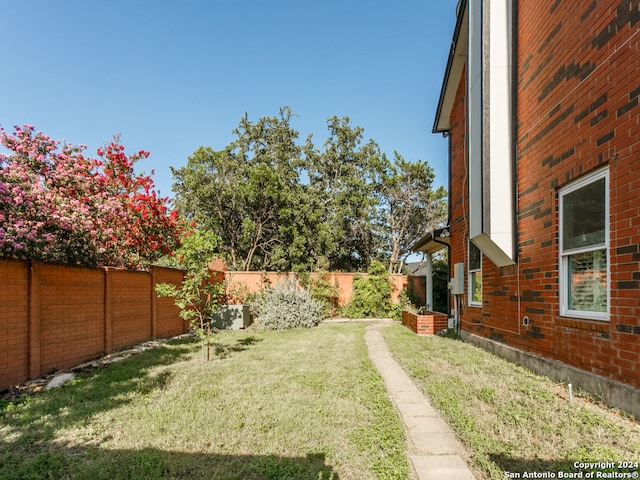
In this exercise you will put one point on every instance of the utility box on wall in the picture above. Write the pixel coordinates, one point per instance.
(457, 282)
(231, 317)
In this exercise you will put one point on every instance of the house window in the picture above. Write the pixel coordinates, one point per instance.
(584, 241)
(475, 275)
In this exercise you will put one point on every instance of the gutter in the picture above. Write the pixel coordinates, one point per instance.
(460, 10)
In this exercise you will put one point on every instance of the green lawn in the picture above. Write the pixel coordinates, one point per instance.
(298, 404)
(509, 419)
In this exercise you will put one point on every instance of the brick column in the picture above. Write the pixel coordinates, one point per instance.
(108, 324)
(34, 319)
(154, 304)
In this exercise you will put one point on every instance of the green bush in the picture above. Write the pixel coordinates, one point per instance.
(371, 295)
(325, 291)
(288, 305)
(404, 303)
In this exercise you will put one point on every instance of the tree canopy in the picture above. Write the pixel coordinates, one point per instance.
(278, 205)
(56, 204)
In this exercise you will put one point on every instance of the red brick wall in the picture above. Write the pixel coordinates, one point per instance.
(55, 316)
(578, 90)
(258, 281)
(166, 311)
(14, 318)
(71, 315)
(426, 324)
(130, 297)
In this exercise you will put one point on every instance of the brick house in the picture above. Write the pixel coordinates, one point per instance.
(540, 105)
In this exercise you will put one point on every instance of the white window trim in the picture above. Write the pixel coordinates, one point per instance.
(470, 273)
(564, 256)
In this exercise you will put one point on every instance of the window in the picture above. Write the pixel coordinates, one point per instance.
(584, 241)
(475, 275)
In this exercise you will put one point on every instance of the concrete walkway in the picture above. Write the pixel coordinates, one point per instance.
(434, 451)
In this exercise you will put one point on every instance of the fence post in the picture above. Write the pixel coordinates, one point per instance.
(108, 324)
(154, 304)
(34, 320)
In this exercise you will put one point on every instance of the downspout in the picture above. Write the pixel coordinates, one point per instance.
(514, 126)
(447, 135)
(429, 292)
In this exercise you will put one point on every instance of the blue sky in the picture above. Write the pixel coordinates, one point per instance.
(169, 76)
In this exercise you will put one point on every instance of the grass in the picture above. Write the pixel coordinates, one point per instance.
(511, 420)
(298, 404)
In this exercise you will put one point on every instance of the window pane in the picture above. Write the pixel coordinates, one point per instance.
(474, 257)
(588, 281)
(476, 287)
(584, 216)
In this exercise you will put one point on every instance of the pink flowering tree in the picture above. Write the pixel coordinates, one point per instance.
(58, 205)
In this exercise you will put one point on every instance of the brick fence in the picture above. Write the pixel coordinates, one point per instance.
(257, 281)
(53, 317)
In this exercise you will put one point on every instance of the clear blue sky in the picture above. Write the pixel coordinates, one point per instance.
(169, 76)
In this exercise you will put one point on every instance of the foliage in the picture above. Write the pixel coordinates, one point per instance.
(198, 295)
(288, 305)
(342, 186)
(371, 294)
(325, 291)
(404, 304)
(249, 193)
(356, 206)
(238, 294)
(408, 207)
(58, 205)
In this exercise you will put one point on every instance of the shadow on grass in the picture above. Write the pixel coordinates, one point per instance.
(29, 450)
(93, 463)
(37, 417)
(223, 350)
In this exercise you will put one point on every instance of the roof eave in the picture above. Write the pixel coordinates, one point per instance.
(455, 66)
(433, 241)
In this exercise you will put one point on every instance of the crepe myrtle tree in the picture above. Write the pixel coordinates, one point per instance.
(59, 205)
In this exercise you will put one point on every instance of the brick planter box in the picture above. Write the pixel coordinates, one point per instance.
(428, 323)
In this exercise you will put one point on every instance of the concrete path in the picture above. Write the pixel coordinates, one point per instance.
(434, 451)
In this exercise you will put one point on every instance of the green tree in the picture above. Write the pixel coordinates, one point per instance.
(198, 295)
(249, 193)
(343, 189)
(356, 206)
(408, 207)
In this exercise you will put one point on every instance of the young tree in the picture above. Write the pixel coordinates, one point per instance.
(199, 293)
(58, 205)
(408, 206)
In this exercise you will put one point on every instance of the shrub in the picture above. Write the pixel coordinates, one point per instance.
(371, 295)
(288, 305)
(404, 303)
(325, 291)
